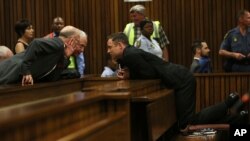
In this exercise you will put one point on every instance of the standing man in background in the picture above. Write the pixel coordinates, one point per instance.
(133, 31)
(76, 62)
(236, 45)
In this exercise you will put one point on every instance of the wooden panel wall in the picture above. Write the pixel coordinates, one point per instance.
(182, 20)
(214, 88)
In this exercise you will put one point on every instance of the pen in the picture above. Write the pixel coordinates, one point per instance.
(119, 65)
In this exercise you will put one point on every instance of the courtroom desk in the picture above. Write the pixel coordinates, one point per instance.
(95, 80)
(15, 94)
(152, 106)
(89, 116)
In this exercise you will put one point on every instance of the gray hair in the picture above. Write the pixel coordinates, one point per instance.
(69, 31)
(137, 8)
(83, 34)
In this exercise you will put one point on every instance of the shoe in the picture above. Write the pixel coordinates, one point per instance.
(241, 118)
(240, 103)
(231, 99)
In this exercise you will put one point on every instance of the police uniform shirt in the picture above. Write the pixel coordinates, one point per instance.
(234, 41)
(149, 46)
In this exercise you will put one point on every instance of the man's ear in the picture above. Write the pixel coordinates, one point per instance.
(198, 50)
(120, 44)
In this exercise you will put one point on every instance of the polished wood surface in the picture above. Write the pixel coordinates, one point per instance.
(76, 116)
(152, 106)
(64, 110)
(135, 103)
(14, 94)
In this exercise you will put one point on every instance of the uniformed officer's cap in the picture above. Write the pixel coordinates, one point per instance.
(137, 8)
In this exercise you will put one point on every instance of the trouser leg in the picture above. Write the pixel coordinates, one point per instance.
(211, 114)
(185, 101)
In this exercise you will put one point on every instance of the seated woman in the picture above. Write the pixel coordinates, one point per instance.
(145, 42)
(25, 32)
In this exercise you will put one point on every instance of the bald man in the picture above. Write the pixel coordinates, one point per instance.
(45, 58)
(5, 53)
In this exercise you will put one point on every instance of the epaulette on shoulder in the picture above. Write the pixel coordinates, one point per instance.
(230, 31)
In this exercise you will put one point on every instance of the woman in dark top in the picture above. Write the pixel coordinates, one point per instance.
(25, 32)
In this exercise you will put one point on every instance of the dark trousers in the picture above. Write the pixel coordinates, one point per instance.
(185, 100)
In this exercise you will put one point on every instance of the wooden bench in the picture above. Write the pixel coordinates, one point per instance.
(152, 106)
(78, 115)
(15, 94)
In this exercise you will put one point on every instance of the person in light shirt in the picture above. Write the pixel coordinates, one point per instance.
(145, 42)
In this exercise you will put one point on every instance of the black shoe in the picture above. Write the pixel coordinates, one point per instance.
(241, 118)
(240, 104)
(231, 99)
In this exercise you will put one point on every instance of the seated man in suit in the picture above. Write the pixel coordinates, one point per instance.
(201, 62)
(138, 64)
(5, 53)
(45, 59)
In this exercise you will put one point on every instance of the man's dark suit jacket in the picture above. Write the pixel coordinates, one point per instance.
(40, 57)
(144, 65)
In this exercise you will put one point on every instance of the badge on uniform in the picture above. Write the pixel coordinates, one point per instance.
(235, 39)
(138, 44)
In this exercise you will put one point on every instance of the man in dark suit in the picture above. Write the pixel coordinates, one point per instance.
(44, 59)
(138, 64)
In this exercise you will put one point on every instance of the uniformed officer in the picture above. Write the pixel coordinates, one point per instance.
(145, 42)
(236, 45)
(133, 31)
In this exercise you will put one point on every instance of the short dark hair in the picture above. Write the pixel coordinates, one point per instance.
(241, 13)
(21, 26)
(144, 22)
(196, 44)
(119, 37)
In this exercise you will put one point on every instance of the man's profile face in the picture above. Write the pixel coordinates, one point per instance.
(204, 49)
(114, 49)
(81, 43)
(246, 19)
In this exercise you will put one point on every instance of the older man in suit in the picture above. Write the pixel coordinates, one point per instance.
(45, 59)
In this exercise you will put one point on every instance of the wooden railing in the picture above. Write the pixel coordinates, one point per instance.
(95, 108)
(90, 109)
(152, 106)
(215, 87)
(14, 94)
(74, 116)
